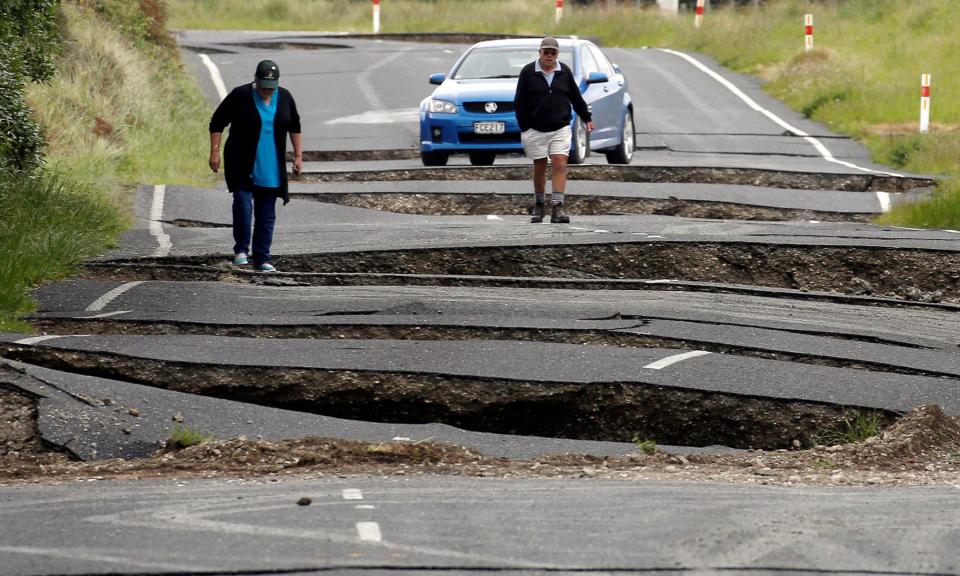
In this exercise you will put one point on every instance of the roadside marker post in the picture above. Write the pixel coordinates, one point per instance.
(924, 103)
(808, 38)
(376, 16)
(559, 14)
(698, 19)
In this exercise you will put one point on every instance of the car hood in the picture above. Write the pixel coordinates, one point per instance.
(498, 89)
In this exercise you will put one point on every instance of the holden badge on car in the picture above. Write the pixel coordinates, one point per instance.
(490, 107)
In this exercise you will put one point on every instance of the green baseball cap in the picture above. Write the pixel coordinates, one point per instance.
(268, 74)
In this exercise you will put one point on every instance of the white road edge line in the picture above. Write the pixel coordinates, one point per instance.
(827, 155)
(215, 76)
(369, 531)
(38, 339)
(670, 360)
(156, 226)
(884, 199)
(104, 315)
(101, 302)
(352, 494)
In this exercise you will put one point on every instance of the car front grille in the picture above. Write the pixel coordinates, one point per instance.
(480, 107)
(507, 138)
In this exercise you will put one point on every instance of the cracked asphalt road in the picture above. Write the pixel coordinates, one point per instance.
(871, 333)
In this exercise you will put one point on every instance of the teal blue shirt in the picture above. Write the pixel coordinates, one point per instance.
(266, 167)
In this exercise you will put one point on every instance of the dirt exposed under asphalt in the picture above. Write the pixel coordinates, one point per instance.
(923, 447)
(516, 204)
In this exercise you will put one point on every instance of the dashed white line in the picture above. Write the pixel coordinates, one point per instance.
(352, 494)
(827, 155)
(38, 339)
(365, 507)
(215, 76)
(369, 531)
(493, 217)
(670, 360)
(156, 226)
(102, 302)
(884, 199)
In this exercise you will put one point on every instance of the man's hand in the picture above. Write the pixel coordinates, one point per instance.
(590, 126)
(297, 165)
(215, 161)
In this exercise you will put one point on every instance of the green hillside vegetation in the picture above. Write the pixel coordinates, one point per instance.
(863, 79)
(96, 105)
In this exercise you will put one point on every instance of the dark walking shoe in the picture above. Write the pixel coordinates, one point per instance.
(537, 213)
(557, 216)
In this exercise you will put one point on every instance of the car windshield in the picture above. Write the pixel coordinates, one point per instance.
(501, 63)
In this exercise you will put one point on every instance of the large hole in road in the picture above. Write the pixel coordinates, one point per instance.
(896, 273)
(576, 205)
(667, 174)
(615, 411)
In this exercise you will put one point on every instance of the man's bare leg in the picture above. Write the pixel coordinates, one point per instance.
(559, 183)
(539, 188)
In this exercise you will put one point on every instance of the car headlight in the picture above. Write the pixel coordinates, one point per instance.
(442, 107)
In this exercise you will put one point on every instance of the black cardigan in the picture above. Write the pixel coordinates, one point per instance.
(547, 108)
(239, 111)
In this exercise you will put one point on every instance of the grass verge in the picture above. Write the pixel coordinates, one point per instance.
(862, 80)
(119, 112)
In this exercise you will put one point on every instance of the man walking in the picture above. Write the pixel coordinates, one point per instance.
(545, 92)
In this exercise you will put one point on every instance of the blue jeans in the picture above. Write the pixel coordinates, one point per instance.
(261, 208)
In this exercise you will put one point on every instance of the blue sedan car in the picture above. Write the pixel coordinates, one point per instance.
(471, 111)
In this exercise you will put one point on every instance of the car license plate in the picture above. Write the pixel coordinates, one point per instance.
(489, 127)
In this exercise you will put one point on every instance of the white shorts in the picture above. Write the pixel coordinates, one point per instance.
(539, 145)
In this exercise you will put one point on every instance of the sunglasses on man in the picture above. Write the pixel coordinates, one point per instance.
(548, 52)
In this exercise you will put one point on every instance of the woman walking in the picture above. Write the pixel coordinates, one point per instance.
(260, 116)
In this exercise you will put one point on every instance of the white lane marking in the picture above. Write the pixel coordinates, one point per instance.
(669, 360)
(121, 557)
(156, 226)
(369, 531)
(659, 281)
(38, 339)
(104, 315)
(601, 231)
(215, 76)
(953, 231)
(493, 217)
(366, 86)
(827, 155)
(365, 507)
(884, 199)
(101, 302)
(352, 494)
(401, 439)
(379, 117)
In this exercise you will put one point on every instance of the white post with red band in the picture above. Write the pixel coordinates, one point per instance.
(924, 103)
(376, 16)
(698, 19)
(808, 37)
(559, 14)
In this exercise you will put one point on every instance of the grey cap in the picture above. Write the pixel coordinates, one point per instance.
(268, 74)
(549, 42)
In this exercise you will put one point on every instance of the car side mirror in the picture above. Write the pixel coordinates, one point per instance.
(438, 78)
(597, 78)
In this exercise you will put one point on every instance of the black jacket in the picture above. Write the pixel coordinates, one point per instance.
(547, 108)
(239, 111)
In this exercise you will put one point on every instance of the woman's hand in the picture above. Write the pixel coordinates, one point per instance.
(297, 165)
(215, 160)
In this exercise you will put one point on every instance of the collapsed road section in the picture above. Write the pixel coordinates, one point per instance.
(538, 389)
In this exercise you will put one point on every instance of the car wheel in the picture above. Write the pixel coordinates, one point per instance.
(434, 158)
(623, 153)
(581, 144)
(482, 158)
